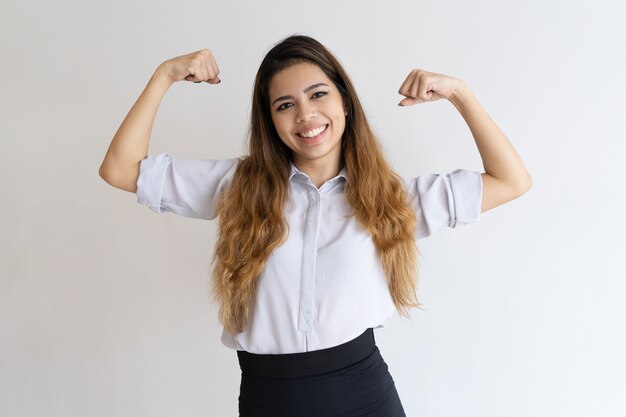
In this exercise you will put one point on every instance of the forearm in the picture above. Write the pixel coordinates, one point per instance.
(500, 159)
(131, 141)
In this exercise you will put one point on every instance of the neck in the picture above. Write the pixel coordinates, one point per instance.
(318, 172)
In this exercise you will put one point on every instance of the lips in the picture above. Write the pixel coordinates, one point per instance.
(311, 132)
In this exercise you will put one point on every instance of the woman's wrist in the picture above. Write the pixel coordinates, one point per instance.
(461, 94)
(463, 98)
(162, 76)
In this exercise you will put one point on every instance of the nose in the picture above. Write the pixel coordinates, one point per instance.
(306, 111)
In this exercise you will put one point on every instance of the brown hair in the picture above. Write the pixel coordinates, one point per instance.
(251, 221)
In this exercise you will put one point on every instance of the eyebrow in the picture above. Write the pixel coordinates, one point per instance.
(306, 90)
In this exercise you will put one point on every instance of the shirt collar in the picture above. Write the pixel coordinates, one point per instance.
(342, 174)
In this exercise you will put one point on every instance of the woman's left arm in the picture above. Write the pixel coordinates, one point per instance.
(505, 177)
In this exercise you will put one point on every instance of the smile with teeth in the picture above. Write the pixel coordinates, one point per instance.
(314, 132)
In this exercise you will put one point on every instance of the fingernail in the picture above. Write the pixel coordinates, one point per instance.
(219, 81)
(400, 104)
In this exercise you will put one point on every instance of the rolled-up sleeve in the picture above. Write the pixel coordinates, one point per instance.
(186, 187)
(451, 199)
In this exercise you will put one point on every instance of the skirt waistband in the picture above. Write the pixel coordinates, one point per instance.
(293, 365)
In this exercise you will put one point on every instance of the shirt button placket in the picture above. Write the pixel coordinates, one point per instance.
(309, 259)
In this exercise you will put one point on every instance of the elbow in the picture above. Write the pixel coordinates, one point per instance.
(104, 174)
(123, 181)
(109, 176)
(523, 187)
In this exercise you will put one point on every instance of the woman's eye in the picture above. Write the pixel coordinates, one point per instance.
(283, 106)
(319, 94)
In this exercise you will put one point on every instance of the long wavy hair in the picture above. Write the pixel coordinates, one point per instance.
(250, 211)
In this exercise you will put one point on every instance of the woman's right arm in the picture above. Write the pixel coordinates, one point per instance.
(120, 167)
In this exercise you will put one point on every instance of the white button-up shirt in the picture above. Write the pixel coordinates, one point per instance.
(325, 284)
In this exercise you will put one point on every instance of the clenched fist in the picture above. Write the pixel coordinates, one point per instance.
(422, 86)
(197, 67)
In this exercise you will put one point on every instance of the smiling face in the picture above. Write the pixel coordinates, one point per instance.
(309, 115)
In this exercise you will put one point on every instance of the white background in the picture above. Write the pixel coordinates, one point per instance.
(104, 305)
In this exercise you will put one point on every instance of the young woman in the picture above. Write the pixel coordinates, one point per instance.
(317, 234)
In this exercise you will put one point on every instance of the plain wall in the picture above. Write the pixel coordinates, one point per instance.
(104, 305)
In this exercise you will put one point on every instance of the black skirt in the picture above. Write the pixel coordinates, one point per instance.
(349, 380)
